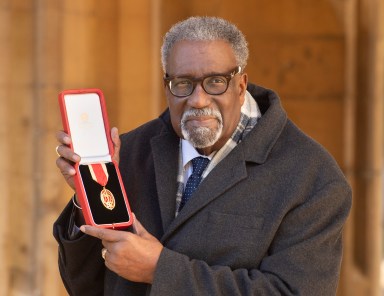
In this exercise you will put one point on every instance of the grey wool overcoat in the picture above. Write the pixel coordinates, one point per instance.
(267, 220)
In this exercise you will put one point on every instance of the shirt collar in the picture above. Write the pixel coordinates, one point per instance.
(189, 152)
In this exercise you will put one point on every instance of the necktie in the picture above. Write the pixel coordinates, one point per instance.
(199, 164)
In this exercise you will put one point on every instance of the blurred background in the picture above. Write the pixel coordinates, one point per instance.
(325, 58)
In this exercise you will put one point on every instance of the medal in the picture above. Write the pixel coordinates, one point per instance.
(107, 199)
(100, 175)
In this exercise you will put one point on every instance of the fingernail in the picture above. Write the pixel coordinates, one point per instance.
(67, 140)
(82, 228)
(76, 158)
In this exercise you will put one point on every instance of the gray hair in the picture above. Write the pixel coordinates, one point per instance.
(206, 29)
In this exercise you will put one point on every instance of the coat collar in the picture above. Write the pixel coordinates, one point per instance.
(259, 143)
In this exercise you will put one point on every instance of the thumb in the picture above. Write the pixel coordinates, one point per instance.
(139, 229)
(116, 144)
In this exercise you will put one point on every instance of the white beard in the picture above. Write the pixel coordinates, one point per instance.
(201, 137)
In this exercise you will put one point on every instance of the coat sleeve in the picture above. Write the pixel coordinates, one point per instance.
(80, 263)
(304, 257)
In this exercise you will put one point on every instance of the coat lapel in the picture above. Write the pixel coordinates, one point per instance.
(224, 176)
(165, 149)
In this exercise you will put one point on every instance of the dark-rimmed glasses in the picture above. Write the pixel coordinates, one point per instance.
(215, 84)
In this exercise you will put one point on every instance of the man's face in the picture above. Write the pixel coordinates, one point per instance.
(207, 121)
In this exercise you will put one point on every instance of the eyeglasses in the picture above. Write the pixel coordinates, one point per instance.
(215, 84)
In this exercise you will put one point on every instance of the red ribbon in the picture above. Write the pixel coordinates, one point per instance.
(99, 173)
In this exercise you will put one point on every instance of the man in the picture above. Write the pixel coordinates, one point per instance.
(267, 216)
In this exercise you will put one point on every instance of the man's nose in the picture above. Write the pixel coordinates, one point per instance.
(199, 98)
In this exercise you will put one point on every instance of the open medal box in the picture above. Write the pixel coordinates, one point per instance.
(98, 183)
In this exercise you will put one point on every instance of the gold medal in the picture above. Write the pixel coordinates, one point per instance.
(100, 175)
(107, 199)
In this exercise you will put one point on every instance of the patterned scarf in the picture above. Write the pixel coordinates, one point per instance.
(250, 114)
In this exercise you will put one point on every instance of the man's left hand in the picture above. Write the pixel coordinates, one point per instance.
(132, 256)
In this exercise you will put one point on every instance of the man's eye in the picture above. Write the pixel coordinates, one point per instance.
(216, 80)
(181, 83)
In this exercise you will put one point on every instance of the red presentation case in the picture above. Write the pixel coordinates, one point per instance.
(84, 117)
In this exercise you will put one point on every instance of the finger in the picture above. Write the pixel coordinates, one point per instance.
(67, 153)
(63, 138)
(107, 235)
(66, 168)
(138, 228)
(116, 143)
(63, 150)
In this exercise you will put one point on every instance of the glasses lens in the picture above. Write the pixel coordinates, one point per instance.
(215, 85)
(181, 86)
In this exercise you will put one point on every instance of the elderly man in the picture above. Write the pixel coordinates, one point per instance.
(232, 198)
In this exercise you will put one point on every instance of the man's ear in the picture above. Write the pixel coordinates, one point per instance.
(243, 87)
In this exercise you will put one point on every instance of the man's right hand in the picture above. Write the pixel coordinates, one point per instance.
(67, 158)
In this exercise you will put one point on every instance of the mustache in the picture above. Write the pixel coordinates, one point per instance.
(201, 112)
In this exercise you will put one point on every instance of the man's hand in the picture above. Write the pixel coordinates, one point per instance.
(132, 256)
(68, 158)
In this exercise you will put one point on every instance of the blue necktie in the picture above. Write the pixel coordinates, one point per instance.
(199, 164)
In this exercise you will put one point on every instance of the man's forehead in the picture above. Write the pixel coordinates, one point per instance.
(201, 58)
